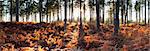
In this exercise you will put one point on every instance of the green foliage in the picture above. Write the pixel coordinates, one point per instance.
(129, 21)
(137, 6)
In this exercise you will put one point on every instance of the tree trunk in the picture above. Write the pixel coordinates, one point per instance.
(97, 15)
(84, 11)
(126, 17)
(35, 16)
(40, 10)
(27, 11)
(23, 18)
(142, 18)
(81, 35)
(47, 12)
(58, 11)
(65, 20)
(72, 12)
(11, 2)
(116, 19)
(113, 11)
(32, 18)
(53, 14)
(17, 10)
(130, 12)
(145, 11)
(103, 11)
(50, 16)
(69, 10)
(90, 14)
(46, 17)
(136, 17)
(122, 10)
(81, 29)
(148, 12)
(58, 14)
(139, 15)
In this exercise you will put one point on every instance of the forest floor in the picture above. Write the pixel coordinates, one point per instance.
(28, 36)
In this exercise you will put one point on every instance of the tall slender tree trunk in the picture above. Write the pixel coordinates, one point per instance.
(84, 11)
(90, 14)
(145, 11)
(69, 10)
(116, 28)
(40, 10)
(17, 10)
(35, 16)
(11, 2)
(50, 16)
(23, 18)
(148, 12)
(81, 29)
(81, 34)
(126, 17)
(1, 16)
(60, 14)
(100, 20)
(103, 11)
(139, 14)
(65, 20)
(46, 17)
(136, 17)
(142, 18)
(116, 19)
(122, 10)
(58, 11)
(97, 15)
(130, 12)
(47, 12)
(53, 14)
(72, 12)
(27, 15)
(113, 11)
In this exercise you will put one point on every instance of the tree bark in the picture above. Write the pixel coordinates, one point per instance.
(139, 14)
(136, 17)
(50, 16)
(126, 17)
(58, 12)
(47, 11)
(116, 19)
(65, 20)
(11, 2)
(145, 11)
(81, 29)
(69, 10)
(90, 14)
(35, 16)
(103, 11)
(148, 12)
(53, 14)
(97, 15)
(72, 12)
(17, 10)
(84, 11)
(122, 8)
(40, 10)
(130, 12)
